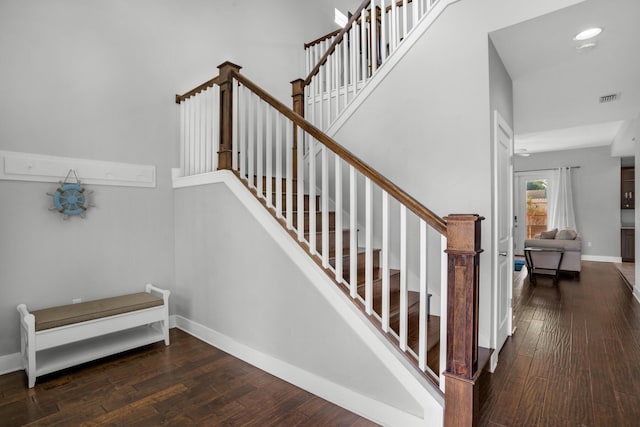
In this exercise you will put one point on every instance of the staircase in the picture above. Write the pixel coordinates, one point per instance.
(382, 248)
(342, 66)
(413, 297)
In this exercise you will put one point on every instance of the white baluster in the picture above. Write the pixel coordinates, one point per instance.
(312, 195)
(345, 71)
(202, 154)
(324, 175)
(251, 136)
(338, 228)
(183, 132)
(321, 84)
(300, 182)
(368, 229)
(207, 123)
(188, 136)
(405, 7)
(260, 107)
(336, 80)
(353, 62)
(383, 30)
(385, 261)
(443, 310)
(235, 149)
(374, 39)
(215, 142)
(279, 154)
(394, 26)
(353, 232)
(242, 120)
(403, 279)
(422, 324)
(415, 13)
(193, 138)
(195, 148)
(329, 76)
(308, 100)
(289, 173)
(268, 165)
(363, 46)
(200, 158)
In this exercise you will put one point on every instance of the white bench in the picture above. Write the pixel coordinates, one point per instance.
(60, 337)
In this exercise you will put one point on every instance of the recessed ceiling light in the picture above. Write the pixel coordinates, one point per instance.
(588, 34)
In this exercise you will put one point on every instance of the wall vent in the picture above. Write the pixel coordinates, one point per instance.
(609, 98)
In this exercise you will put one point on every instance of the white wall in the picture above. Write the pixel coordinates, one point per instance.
(232, 277)
(596, 194)
(432, 129)
(94, 79)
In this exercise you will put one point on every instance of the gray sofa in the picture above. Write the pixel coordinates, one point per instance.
(572, 250)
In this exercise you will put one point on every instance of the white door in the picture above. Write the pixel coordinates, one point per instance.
(503, 233)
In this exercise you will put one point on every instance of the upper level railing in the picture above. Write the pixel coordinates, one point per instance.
(373, 239)
(339, 65)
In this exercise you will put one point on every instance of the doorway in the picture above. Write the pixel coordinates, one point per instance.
(531, 206)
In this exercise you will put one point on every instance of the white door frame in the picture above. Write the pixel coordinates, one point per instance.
(500, 125)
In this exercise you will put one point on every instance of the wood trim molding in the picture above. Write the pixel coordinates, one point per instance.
(16, 166)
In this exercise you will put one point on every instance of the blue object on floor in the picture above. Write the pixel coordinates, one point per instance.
(518, 263)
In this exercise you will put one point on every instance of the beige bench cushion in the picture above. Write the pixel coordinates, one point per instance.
(74, 313)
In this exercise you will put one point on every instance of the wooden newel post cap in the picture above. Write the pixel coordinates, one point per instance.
(463, 233)
(224, 69)
(297, 87)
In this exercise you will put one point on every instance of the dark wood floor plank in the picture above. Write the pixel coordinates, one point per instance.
(532, 402)
(189, 383)
(581, 341)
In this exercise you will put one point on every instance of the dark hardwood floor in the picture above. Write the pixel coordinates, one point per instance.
(574, 359)
(188, 383)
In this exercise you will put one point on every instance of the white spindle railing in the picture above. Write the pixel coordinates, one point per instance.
(389, 239)
(375, 33)
(200, 132)
(386, 266)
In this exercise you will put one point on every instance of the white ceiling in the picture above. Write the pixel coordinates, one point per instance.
(556, 87)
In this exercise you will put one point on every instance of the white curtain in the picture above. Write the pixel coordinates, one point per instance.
(561, 213)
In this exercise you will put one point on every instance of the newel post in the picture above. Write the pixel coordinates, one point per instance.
(225, 152)
(463, 250)
(297, 94)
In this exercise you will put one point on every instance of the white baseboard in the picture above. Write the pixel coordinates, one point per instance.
(10, 363)
(362, 405)
(600, 258)
(636, 293)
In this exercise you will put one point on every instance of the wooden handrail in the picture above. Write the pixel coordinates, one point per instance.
(399, 3)
(439, 224)
(197, 90)
(338, 39)
(321, 39)
(354, 18)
